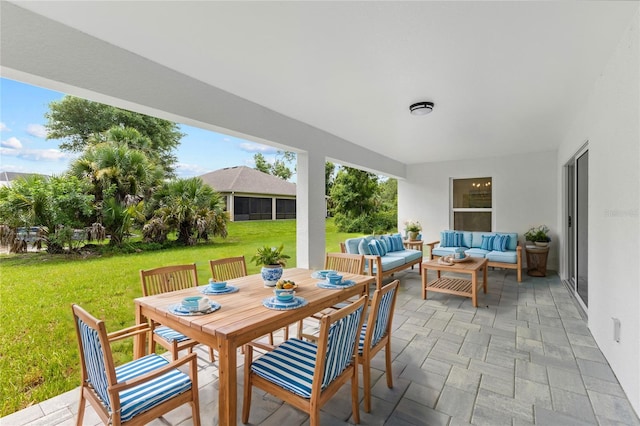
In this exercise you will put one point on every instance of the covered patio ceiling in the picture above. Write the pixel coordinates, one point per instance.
(505, 77)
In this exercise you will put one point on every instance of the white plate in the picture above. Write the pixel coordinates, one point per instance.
(178, 309)
(208, 290)
(273, 303)
(343, 284)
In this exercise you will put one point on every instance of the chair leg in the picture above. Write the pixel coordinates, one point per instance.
(286, 333)
(314, 415)
(83, 402)
(366, 383)
(246, 402)
(300, 328)
(387, 356)
(195, 413)
(355, 403)
(212, 357)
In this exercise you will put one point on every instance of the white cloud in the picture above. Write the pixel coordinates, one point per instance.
(38, 154)
(185, 170)
(256, 147)
(12, 143)
(37, 130)
(4, 128)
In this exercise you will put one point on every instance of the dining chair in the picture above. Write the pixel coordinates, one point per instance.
(305, 374)
(229, 268)
(134, 393)
(376, 335)
(161, 280)
(341, 262)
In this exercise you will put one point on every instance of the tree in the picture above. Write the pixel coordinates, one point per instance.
(353, 192)
(191, 208)
(329, 168)
(57, 204)
(76, 121)
(358, 202)
(279, 167)
(120, 178)
(115, 170)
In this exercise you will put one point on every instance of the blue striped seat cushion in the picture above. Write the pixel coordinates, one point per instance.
(170, 334)
(289, 366)
(154, 392)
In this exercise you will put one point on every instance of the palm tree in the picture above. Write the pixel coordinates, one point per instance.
(117, 171)
(191, 208)
(121, 177)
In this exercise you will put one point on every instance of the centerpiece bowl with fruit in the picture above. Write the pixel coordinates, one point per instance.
(286, 285)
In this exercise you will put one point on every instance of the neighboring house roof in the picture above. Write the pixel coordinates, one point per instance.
(247, 180)
(7, 177)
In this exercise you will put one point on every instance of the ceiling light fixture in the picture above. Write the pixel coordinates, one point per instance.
(421, 108)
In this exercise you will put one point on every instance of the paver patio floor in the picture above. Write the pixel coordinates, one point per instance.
(524, 356)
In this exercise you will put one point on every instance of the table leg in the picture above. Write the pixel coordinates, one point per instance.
(228, 381)
(474, 289)
(424, 283)
(139, 340)
(484, 278)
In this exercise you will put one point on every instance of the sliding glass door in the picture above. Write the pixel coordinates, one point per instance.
(577, 229)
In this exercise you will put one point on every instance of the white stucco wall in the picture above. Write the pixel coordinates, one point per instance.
(610, 122)
(524, 194)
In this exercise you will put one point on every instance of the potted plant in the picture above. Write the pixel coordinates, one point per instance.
(538, 235)
(412, 228)
(272, 260)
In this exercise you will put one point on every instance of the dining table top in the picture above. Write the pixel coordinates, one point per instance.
(242, 313)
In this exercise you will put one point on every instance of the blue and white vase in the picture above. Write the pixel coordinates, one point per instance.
(271, 274)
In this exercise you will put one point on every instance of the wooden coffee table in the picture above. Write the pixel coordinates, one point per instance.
(454, 285)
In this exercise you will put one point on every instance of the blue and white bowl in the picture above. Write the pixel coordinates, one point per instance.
(334, 278)
(284, 294)
(217, 285)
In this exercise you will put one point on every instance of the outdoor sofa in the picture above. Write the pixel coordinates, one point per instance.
(501, 249)
(384, 255)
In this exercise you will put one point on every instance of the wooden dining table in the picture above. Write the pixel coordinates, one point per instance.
(241, 319)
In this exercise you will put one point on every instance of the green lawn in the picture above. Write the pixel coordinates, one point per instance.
(38, 347)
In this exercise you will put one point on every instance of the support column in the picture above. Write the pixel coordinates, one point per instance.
(273, 208)
(310, 211)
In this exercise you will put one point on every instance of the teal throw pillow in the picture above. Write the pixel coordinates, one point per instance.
(376, 248)
(396, 242)
(487, 242)
(500, 242)
(363, 247)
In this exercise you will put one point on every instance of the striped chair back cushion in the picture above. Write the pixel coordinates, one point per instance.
(94, 362)
(383, 317)
(340, 345)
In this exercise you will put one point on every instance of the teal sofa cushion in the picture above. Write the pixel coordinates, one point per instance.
(444, 251)
(476, 252)
(502, 256)
(408, 255)
(388, 262)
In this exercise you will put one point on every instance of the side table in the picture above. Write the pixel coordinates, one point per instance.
(537, 261)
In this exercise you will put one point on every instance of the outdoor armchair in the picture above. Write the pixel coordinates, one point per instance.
(134, 393)
(305, 374)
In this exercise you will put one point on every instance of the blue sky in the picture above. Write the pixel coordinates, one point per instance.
(24, 147)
